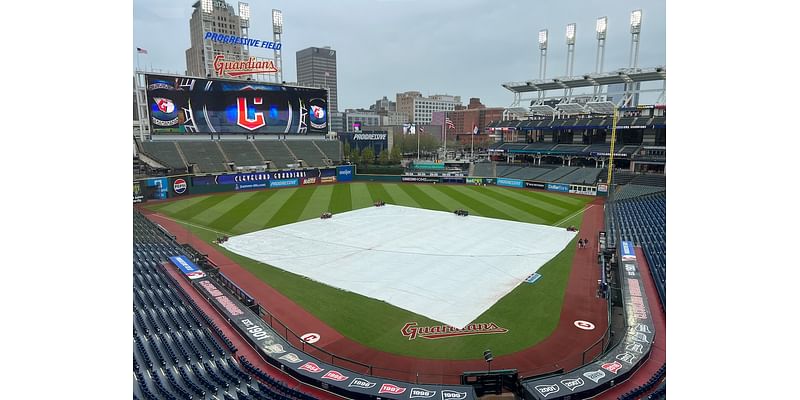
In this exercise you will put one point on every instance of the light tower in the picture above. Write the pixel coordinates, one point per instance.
(601, 28)
(277, 31)
(570, 53)
(244, 22)
(542, 56)
(636, 30)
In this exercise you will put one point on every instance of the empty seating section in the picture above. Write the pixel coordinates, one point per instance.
(650, 180)
(176, 347)
(205, 154)
(630, 190)
(275, 152)
(163, 152)
(242, 153)
(504, 170)
(484, 169)
(570, 148)
(581, 176)
(555, 174)
(331, 149)
(540, 146)
(643, 221)
(637, 392)
(306, 150)
(528, 173)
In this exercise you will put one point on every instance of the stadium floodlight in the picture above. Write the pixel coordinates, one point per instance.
(636, 21)
(207, 6)
(277, 19)
(571, 33)
(601, 27)
(543, 39)
(244, 11)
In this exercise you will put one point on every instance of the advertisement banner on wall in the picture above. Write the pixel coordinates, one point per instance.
(250, 186)
(582, 189)
(138, 193)
(179, 186)
(425, 179)
(345, 173)
(186, 266)
(602, 188)
(558, 187)
(474, 181)
(453, 180)
(156, 188)
(626, 250)
(509, 182)
(328, 179)
(310, 181)
(283, 183)
(535, 185)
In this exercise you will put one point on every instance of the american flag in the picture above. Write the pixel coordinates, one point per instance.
(449, 123)
(141, 50)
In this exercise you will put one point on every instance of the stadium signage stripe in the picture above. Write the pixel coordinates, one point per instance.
(412, 331)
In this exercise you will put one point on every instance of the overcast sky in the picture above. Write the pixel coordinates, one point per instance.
(459, 47)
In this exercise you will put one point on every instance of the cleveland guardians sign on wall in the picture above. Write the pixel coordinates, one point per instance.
(190, 105)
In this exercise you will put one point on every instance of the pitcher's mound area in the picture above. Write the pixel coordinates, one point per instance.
(437, 264)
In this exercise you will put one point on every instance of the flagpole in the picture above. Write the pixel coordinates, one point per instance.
(138, 68)
(417, 133)
(472, 145)
(445, 136)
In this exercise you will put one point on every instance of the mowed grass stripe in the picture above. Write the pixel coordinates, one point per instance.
(212, 213)
(399, 197)
(317, 203)
(360, 195)
(175, 206)
(532, 197)
(291, 209)
(229, 219)
(189, 212)
(504, 205)
(559, 200)
(340, 199)
(476, 206)
(378, 192)
(537, 215)
(264, 212)
(422, 198)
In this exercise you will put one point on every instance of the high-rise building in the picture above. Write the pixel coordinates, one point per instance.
(419, 109)
(316, 67)
(218, 17)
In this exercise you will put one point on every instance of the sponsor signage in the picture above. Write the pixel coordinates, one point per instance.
(412, 331)
(344, 173)
(626, 251)
(328, 179)
(232, 39)
(535, 185)
(557, 187)
(283, 183)
(509, 182)
(249, 186)
(426, 179)
(310, 181)
(474, 181)
(370, 136)
(138, 194)
(186, 266)
(602, 188)
(179, 186)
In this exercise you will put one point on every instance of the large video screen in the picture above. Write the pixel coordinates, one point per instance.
(191, 105)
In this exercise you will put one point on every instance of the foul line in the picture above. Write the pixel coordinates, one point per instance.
(573, 215)
(190, 224)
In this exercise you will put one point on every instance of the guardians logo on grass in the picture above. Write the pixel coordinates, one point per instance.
(412, 331)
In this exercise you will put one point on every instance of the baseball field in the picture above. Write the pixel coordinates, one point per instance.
(530, 312)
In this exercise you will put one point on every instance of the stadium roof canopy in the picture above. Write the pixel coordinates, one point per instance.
(625, 75)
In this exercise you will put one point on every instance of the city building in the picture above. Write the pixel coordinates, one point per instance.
(218, 17)
(316, 67)
(383, 105)
(393, 118)
(336, 120)
(475, 114)
(419, 109)
(359, 120)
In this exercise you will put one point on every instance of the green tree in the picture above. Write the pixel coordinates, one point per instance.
(395, 155)
(368, 155)
(383, 158)
(354, 156)
(346, 149)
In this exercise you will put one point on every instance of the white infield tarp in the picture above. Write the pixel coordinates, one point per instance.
(437, 264)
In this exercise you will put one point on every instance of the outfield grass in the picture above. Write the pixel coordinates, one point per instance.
(530, 312)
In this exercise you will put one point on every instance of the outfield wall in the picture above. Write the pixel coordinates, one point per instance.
(170, 187)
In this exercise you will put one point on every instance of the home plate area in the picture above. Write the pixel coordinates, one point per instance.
(446, 267)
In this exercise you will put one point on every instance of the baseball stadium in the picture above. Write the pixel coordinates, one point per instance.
(511, 254)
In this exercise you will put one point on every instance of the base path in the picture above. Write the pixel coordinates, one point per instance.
(564, 349)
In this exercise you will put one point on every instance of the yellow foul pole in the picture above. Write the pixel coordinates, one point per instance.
(613, 141)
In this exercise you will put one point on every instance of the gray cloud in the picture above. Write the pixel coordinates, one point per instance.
(459, 47)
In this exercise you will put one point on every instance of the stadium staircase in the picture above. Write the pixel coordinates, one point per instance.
(224, 156)
(294, 157)
(180, 153)
(263, 159)
(325, 158)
